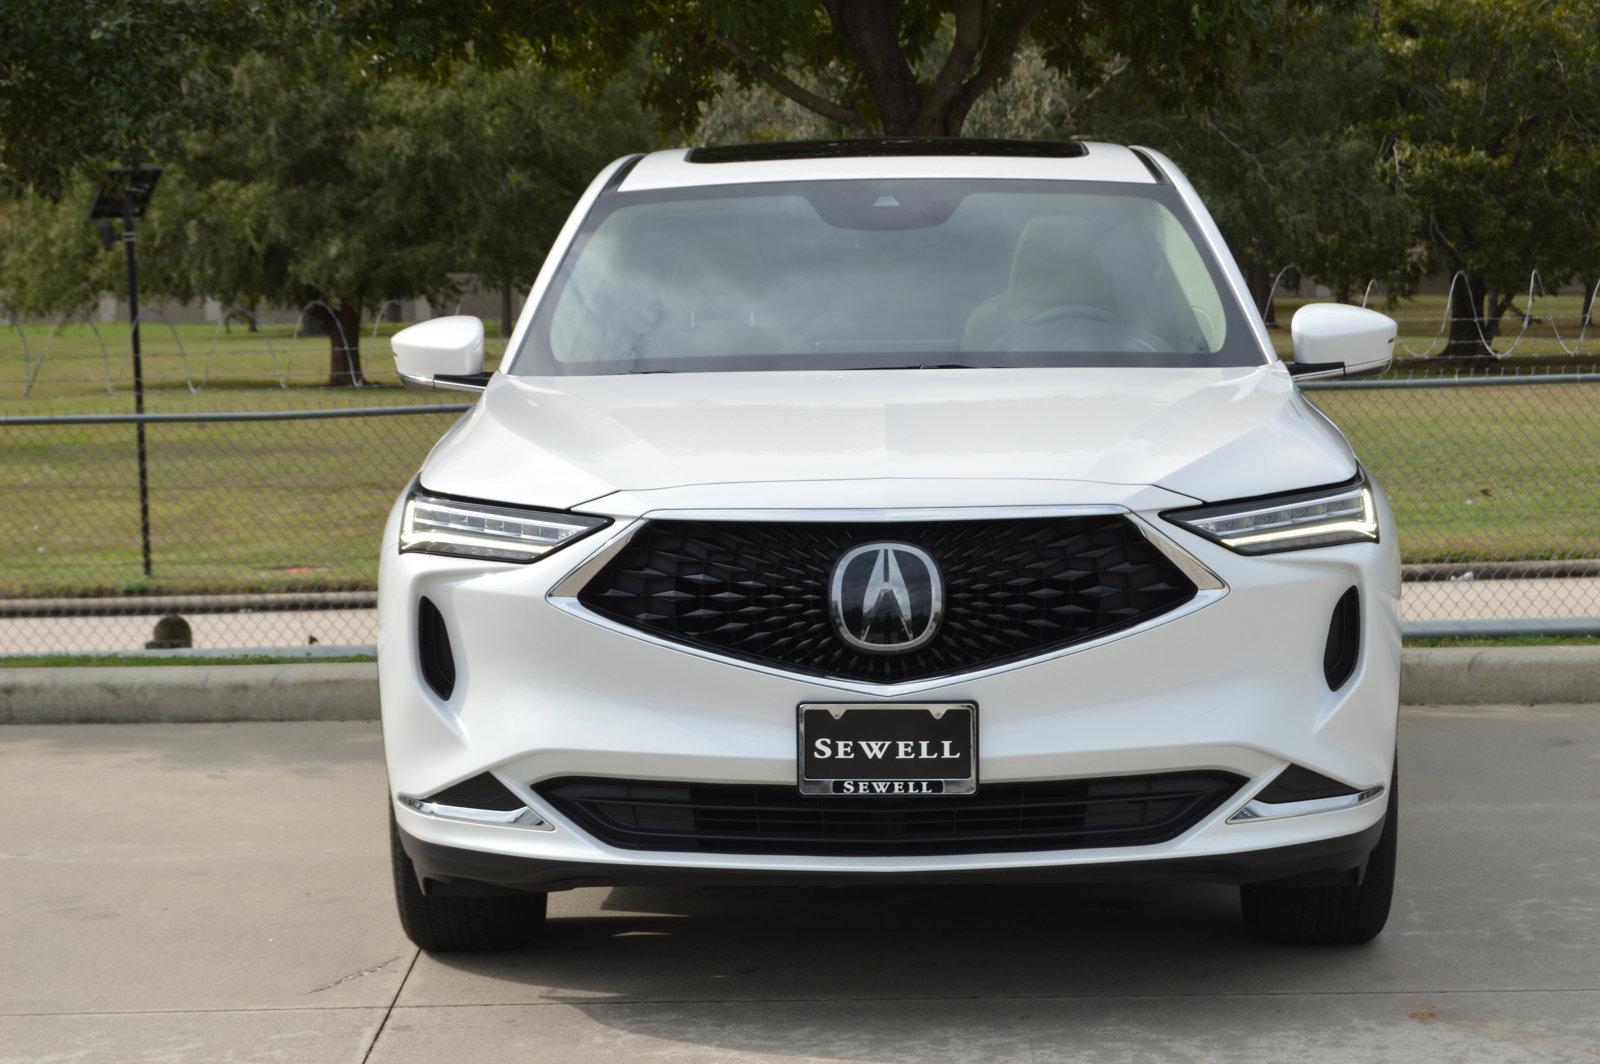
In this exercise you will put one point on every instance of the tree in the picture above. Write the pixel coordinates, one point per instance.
(908, 67)
(84, 82)
(1291, 169)
(319, 185)
(531, 141)
(1493, 126)
(341, 191)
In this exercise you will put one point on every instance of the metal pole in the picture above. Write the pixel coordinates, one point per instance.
(138, 382)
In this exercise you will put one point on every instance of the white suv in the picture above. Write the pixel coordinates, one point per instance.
(890, 511)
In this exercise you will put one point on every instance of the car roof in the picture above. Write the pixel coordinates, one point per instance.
(889, 157)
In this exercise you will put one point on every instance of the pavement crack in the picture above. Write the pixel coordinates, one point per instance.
(353, 975)
(377, 1034)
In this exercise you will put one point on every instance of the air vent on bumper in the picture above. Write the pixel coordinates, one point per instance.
(433, 649)
(1343, 648)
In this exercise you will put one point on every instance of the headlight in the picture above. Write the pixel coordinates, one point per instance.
(1321, 517)
(467, 529)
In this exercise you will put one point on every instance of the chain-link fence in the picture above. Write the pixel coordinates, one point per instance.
(263, 529)
(1495, 481)
(264, 524)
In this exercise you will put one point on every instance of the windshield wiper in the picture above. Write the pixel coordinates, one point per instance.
(931, 365)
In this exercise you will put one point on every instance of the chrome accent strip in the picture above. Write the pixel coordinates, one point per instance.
(862, 514)
(566, 589)
(564, 594)
(1195, 569)
(433, 384)
(1342, 371)
(1256, 810)
(1333, 372)
(522, 818)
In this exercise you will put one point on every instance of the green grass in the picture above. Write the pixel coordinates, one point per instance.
(260, 506)
(1475, 474)
(1482, 474)
(1510, 641)
(185, 363)
(101, 660)
(1551, 337)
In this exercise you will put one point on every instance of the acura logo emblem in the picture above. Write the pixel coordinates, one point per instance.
(886, 597)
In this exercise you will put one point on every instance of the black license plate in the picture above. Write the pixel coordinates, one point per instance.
(889, 749)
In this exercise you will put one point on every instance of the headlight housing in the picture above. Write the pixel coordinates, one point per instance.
(1318, 517)
(464, 528)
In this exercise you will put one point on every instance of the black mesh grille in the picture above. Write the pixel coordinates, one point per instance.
(999, 818)
(1013, 589)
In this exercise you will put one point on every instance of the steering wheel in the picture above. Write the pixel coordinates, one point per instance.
(1074, 312)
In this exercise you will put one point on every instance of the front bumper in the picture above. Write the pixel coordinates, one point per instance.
(543, 691)
(452, 869)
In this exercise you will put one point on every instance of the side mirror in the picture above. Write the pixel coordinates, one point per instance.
(1338, 340)
(445, 354)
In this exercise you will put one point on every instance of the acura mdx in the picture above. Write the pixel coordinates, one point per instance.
(890, 511)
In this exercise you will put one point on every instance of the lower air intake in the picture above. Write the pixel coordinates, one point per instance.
(999, 818)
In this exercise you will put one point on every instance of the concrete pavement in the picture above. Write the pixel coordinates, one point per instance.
(219, 892)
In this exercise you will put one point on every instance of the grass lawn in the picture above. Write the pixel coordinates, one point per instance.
(1554, 335)
(68, 364)
(1475, 473)
(1482, 474)
(1511, 641)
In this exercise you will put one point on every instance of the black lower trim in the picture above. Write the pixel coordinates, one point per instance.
(459, 871)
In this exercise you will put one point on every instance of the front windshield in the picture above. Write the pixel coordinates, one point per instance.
(885, 274)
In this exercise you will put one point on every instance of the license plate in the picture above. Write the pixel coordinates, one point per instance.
(920, 748)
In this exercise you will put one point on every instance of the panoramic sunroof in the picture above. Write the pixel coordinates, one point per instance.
(881, 146)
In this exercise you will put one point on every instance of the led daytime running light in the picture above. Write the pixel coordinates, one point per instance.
(1346, 514)
(466, 529)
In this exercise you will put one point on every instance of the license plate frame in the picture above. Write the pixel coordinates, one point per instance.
(929, 726)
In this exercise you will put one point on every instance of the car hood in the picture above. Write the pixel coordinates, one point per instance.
(1206, 433)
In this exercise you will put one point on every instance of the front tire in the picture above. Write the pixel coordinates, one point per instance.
(1329, 915)
(441, 922)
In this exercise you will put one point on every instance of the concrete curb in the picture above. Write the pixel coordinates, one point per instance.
(349, 691)
(140, 694)
(1452, 676)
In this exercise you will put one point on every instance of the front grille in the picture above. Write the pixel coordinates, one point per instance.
(999, 818)
(1013, 589)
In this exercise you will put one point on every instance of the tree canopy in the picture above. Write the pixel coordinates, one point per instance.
(371, 150)
(318, 184)
(95, 80)
(906, 67)
(1492, 117)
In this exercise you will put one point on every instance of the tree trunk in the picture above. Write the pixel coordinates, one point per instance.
(869, 29)
(507, 298)
(1259, 280)
(1587, 318)
(1475, 315)
(344, 345)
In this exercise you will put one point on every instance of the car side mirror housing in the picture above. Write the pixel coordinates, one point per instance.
(1338, 340)
(444, 354)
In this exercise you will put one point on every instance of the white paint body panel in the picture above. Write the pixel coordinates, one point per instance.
(1336, 334)
(1235, 684)
(448, 345)
(1206, 433)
